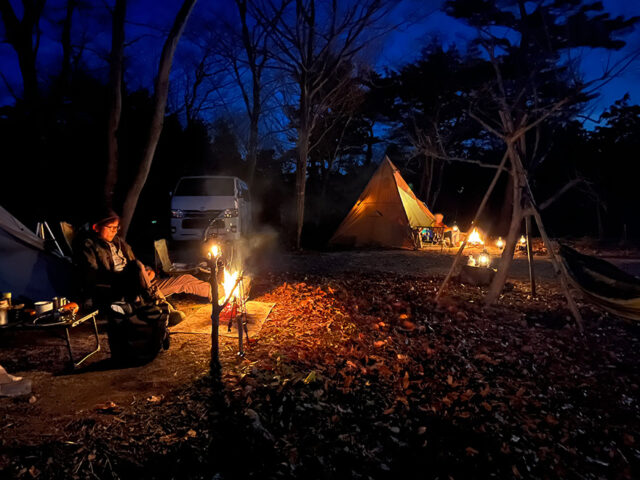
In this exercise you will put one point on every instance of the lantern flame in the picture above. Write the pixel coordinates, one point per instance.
(500, 242)
(523, 240)
(484, 260)
(474, 238)
(228, 283)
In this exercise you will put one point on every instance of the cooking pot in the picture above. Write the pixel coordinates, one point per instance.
(43, 307)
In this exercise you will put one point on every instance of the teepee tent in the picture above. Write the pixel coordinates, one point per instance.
(384, 214)
(27, 269)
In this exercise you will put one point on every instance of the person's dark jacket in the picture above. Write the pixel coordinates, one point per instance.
(97, 278)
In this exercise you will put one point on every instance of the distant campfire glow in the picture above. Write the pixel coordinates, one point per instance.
(474, 238)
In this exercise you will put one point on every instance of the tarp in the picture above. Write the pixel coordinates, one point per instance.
(385, 213)
(27, 269)
(603, 283)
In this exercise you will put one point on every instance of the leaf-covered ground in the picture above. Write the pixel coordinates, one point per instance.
(364, 376)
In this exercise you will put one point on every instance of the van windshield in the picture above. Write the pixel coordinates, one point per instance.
(205, 187)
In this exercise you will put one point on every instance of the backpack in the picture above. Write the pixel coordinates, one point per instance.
(137, 333)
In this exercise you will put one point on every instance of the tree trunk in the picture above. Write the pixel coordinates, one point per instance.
(65, 72)
(436, 192)
(19, 34)
(252, 148)
(497, 284)
(301, 179)
(427, 178)
(157, 121)
(369, 153)
(115, 98)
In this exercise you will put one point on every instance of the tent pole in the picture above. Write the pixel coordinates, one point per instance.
(458, 256)
(532, 278)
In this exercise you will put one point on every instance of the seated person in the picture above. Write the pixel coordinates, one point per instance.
(444, 231)
(427, 235)
(110, 272)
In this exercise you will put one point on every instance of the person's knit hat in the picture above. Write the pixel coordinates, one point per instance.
(104, 216)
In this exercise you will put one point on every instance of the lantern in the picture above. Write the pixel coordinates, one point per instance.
(484, 259)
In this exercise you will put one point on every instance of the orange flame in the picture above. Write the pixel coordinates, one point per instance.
(228, 284)
(474, 238)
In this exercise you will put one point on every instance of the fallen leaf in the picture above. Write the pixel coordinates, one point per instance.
(405, 380)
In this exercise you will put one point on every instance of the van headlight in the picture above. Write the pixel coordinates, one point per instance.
(177, 213)
(231, 212)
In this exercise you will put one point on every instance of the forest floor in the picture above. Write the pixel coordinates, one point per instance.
(357, 373)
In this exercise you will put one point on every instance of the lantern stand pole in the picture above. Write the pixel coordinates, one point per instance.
(214, 363)
(532, 278)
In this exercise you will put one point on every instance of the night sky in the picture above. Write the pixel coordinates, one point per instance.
(418, 20)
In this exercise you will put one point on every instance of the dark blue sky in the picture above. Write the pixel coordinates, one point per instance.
(420, 20)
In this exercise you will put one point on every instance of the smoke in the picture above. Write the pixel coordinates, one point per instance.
(254, 252)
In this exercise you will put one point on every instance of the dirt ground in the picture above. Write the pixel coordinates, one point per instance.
(102, 422)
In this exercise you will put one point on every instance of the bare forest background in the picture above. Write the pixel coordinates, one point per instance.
(294, 96)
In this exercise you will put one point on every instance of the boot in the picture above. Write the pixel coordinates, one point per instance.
(175, 316)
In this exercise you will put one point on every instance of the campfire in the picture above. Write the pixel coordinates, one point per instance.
(230, 311)
(474, 238)
(229, 285)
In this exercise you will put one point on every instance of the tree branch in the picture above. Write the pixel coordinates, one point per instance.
(559, 193)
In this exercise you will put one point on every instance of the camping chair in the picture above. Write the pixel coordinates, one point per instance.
(166, 266)
(68, 234)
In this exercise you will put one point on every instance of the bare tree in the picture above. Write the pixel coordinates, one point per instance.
(67, 48)
(116, 61)
(313, 44)
(255, 39)
(530, 86)
(24, 37)
(160, 94)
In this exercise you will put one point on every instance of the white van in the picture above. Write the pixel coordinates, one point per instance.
(220, 203)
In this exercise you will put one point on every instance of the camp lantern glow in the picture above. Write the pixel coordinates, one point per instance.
(214, 251)
(484, 259)
(523, 241)
(474, 238)
(500, 243)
